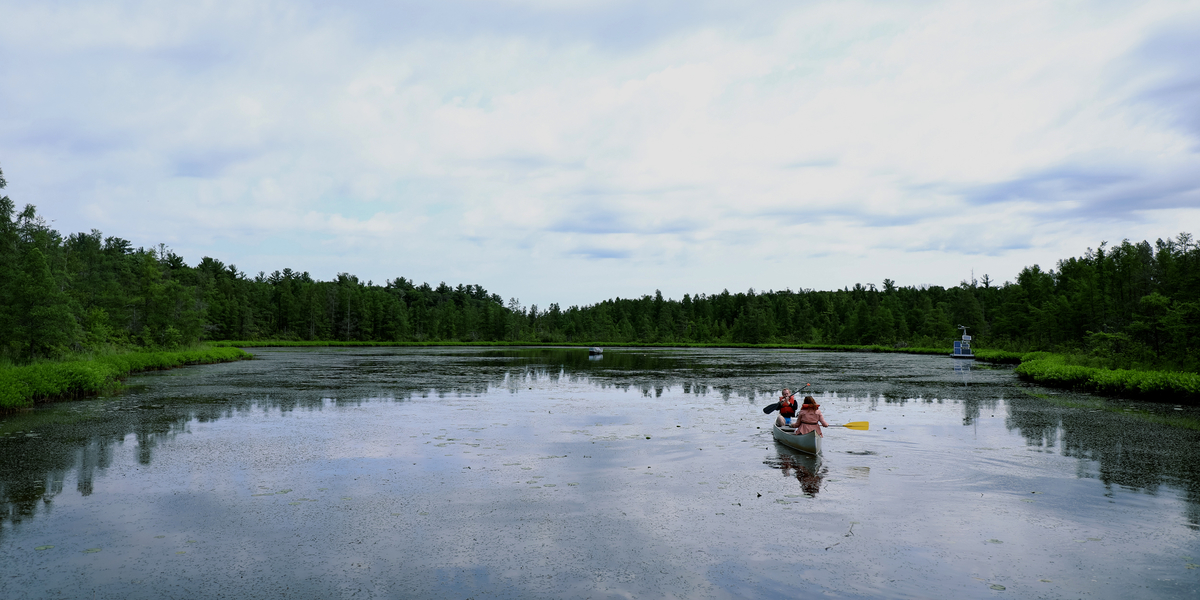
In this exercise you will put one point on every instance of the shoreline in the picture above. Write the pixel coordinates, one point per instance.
(24, 386)
(1042, 368)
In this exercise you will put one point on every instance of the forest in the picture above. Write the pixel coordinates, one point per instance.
(1135, 304)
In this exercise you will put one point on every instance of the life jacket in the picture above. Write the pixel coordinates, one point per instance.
(787, 406)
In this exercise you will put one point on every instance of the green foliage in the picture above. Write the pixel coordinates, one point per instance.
(22, 386)
(1056, 370)
(1131, 306)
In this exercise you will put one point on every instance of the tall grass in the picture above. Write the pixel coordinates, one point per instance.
(22, 386)
(1055, 370)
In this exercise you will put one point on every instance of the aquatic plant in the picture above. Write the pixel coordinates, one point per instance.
(22, 386)
(1053, 370)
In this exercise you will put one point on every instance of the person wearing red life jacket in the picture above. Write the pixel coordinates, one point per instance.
(810, 418)
(787, 409)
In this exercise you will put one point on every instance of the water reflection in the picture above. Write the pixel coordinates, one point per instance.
(1125, 449)
(962, 369)
(806, 468)
(42, 449)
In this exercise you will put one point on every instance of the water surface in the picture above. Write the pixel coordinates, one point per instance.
(541, 473)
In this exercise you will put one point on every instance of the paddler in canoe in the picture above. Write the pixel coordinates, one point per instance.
(787, 408)
(810, 418)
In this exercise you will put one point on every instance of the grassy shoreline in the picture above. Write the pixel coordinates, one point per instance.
(1054, 370)
(319, 344)
(23, 386)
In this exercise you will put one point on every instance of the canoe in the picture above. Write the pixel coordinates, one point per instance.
(809, 442)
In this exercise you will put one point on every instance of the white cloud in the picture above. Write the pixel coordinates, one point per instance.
(573, 152)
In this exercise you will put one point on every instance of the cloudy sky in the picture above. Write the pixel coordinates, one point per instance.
(575, 150)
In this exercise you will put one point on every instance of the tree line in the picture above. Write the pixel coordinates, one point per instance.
(1139, 302)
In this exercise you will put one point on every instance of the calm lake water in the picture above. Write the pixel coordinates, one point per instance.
(539, 473)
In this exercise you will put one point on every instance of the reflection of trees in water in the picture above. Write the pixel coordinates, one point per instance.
(972, 407)
(33, 471)
(1127, 452)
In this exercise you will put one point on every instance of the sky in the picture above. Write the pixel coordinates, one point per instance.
(577, 150)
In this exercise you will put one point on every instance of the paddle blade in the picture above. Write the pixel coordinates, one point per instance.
(857, 425)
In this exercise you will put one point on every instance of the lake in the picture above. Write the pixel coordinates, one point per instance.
(543, 473)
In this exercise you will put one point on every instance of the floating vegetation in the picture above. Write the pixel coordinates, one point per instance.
(43, 547)
(997, 587)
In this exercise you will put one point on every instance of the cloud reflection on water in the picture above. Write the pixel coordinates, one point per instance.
(77, 440)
